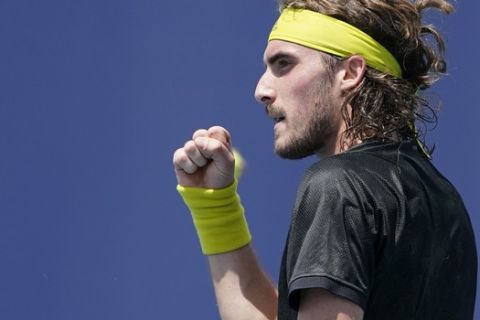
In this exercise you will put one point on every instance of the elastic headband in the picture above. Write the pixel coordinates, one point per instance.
(324, 33)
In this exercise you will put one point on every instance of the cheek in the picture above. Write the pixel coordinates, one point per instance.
(305, 97)
(305, 86)
(301, 87)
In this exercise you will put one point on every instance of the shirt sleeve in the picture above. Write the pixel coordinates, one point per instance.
(332, 237)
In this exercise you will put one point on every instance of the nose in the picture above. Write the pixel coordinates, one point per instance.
(264, 92)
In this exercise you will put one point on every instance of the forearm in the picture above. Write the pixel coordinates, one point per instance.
(205, 175)
(242, 289)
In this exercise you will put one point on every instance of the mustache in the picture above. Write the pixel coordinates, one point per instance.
(272, 110)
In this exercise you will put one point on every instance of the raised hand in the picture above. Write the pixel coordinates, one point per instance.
(206, 161)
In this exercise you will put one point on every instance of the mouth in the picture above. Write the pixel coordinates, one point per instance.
(274, 114)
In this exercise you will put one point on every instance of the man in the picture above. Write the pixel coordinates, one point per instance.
(376, 232)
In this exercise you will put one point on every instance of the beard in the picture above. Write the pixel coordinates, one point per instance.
(317, 131)
(311, 134)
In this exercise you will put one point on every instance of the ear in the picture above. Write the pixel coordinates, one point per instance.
(354, 71)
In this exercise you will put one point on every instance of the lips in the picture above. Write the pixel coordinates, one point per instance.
(274, 114)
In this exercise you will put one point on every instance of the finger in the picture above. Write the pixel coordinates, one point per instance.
(213, 149)
(194, 154)
(182, 162)
(200, 133)
(221, 134)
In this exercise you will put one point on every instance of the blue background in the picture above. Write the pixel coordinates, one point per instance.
(94, 98)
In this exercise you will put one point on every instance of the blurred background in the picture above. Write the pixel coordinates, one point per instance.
(95, 96)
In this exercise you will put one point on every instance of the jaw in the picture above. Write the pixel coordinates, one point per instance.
(334, 144)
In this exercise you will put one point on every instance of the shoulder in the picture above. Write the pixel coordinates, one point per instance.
(363, 177)
(343, 168)
(362, 161)
(330, 183)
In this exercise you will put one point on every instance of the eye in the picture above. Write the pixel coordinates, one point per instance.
(282, 66)
(283, 63)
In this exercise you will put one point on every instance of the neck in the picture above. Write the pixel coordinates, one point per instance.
(337, 144)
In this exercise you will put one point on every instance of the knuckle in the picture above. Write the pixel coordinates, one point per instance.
(200, 133)
(189, 146)
(182, 159)
(177, 155)
(216, 146)
(220, 133)
(216, 130)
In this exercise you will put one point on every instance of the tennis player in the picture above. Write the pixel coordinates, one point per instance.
(377, 232)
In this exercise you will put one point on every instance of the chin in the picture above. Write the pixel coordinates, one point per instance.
(292, 152)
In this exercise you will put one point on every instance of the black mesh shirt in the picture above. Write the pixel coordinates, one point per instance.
(380, 226)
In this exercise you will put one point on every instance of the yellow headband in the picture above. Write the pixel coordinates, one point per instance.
(321, 32)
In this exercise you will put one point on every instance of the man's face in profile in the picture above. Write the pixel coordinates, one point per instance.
(298, 95)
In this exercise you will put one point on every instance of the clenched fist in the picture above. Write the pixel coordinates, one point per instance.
(206, 161)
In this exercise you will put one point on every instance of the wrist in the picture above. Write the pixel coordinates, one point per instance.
(218, 217)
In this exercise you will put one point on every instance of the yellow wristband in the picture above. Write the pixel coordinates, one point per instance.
(218, 217)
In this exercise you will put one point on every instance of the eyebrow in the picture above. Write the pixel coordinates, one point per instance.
(277, 56)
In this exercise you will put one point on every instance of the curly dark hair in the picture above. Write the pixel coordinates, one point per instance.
(384, 106)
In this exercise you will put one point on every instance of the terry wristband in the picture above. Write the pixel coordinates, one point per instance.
(218, 217)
